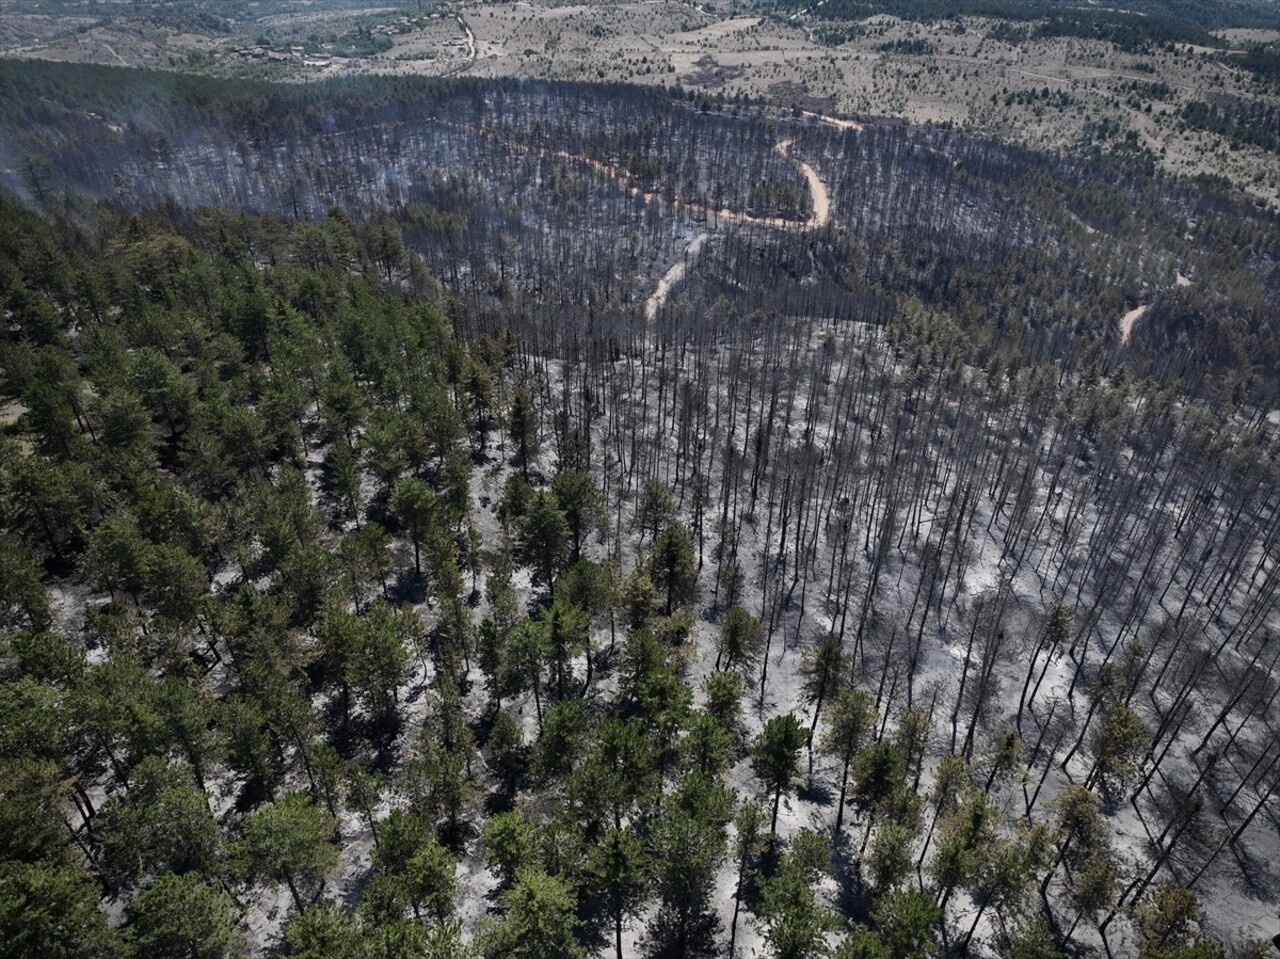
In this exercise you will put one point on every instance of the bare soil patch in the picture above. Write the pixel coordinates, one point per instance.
(1129, 320)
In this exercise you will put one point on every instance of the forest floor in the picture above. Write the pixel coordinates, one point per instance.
(10, 412)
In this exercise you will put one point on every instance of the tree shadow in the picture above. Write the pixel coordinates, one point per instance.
(455, 835)
(595, 929)
(1256, 878)
(352, 895)
(763, 703)
(380, 731)
(852, 895)
(252, 794)
(664, 939)
(499, 800)
(407, 587)
(817, 793)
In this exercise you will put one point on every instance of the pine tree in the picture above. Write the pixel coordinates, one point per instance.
(539, 921)
(850, 723)
(510, 844)
(821, 674)
(1168, 924)
(724, 699)
(322, 931)
(580, 502)
(747, 846)
(544, 539)
(795, 923)
(161, 823)
(672, 567)
(183, 916)
(741, 641)
(49, 910)
(522, 424)
(414, 507)
(688, 843)
(289, 840)
(905, 920)
(775, 758)
(619, 866)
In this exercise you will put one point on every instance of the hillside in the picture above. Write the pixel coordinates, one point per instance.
(449, 516)
(1188, 88)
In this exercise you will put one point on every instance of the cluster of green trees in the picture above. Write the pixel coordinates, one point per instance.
(1252, 124)
(1138, 27)
(184, 416)
(174, 101)
(914, 47)
(1263, 61)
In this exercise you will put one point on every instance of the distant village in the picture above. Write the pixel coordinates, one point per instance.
(299, 54)
(293, 54)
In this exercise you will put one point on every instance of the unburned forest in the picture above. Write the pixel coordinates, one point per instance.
(502, 518)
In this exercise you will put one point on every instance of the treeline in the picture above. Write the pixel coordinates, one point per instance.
(1263, 61)
(44, 104)
(1233, 13)
(915, 47)
(1137, 30)
(198, 11)
(1127, 32)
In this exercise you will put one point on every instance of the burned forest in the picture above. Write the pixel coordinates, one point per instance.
(505, 518)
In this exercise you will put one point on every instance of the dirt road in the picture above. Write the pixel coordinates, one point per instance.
(1128, 321)
(672, 277)
(817, 188)
(819, 195)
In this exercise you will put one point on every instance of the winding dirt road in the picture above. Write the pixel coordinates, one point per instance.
(821, 199)
(820, 217)
(819, 195)
(472, 51)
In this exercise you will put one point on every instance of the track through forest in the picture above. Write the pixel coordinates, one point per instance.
(672, 277)
(1130, 319)
(819, 197)
(818, 194)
